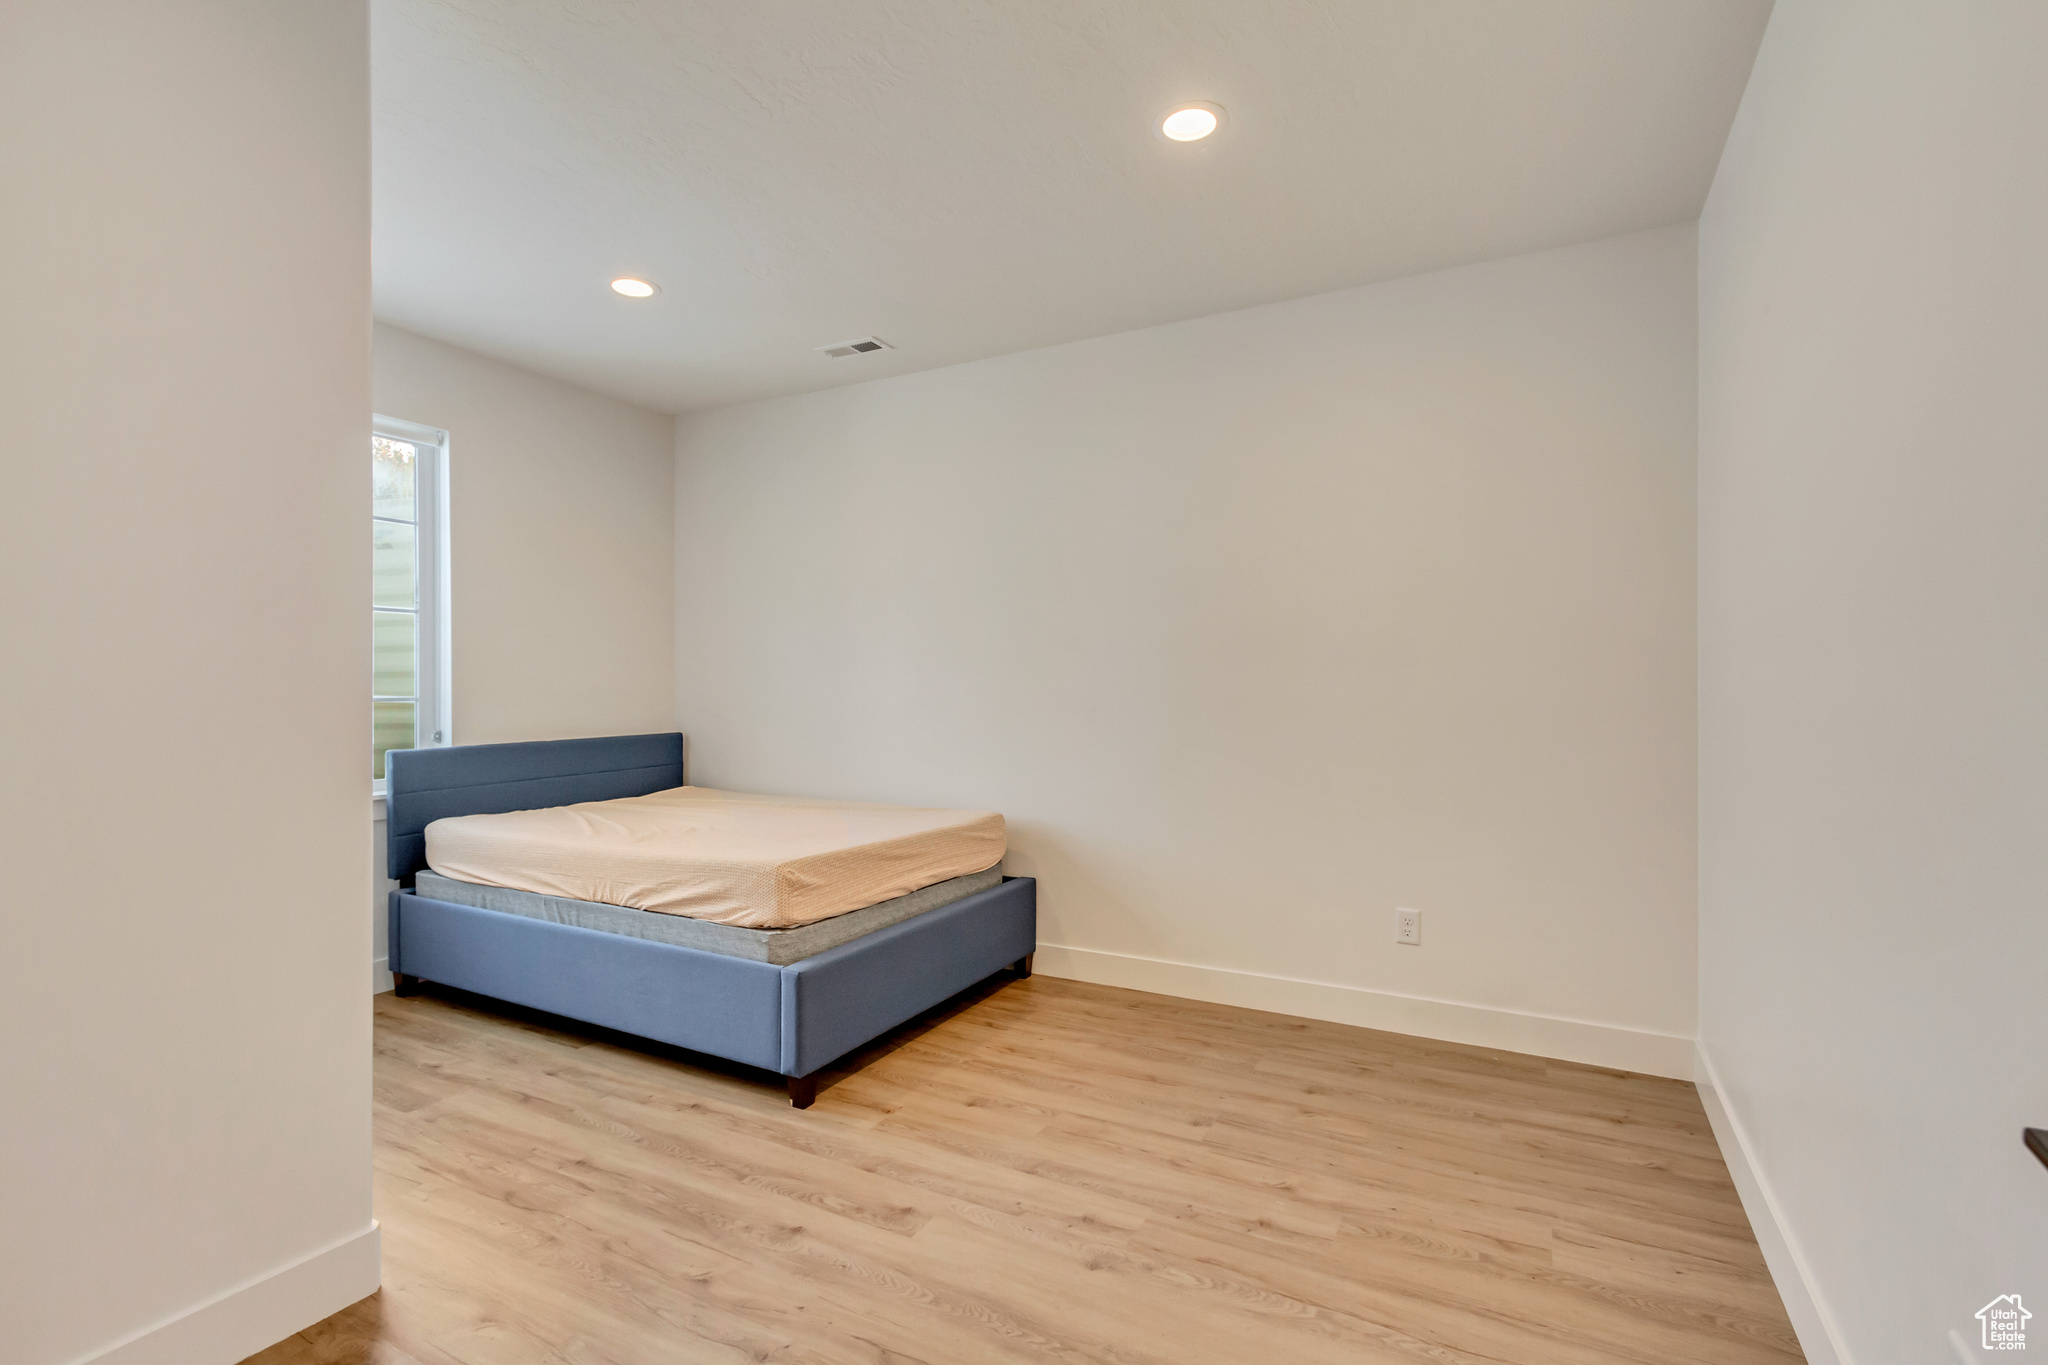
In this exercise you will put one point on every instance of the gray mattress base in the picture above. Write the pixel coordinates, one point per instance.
(777, 946)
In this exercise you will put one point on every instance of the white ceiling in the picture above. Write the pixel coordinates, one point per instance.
(966, 178)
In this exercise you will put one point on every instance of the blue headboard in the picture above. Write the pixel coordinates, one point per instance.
(424, 785)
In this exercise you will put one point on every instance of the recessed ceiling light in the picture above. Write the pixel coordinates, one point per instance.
(634, 289)
(1191, 122)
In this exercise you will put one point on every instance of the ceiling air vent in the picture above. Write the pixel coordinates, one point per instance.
(858, 346)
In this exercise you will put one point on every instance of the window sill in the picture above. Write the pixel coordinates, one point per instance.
(376, 805)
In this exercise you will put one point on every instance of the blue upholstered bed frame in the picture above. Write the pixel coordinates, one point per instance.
(790, 1019)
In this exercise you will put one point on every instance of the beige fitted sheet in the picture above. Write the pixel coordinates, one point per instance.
(762, 862)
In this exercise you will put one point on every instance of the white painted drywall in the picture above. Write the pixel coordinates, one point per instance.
(561, 541)
(973, 178)
(184, 388)
(1874, 655)
(561, 549)
(381, 887)
(1257, 627)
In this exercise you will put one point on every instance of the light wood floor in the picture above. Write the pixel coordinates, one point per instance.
(1044, 1171)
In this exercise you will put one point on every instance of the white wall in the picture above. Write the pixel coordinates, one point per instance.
(1257, 627)
(562, 547)
(1874, 662)
(563, 580)
(184, 385)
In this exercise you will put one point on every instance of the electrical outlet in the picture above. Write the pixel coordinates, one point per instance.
(1408, 927)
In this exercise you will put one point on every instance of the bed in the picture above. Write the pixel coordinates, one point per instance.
(787, 1005)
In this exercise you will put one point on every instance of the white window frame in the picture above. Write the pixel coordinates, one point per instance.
(434, 716)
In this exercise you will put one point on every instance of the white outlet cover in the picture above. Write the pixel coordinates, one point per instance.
(1408, 927)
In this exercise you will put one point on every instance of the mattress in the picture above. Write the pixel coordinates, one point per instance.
(778, 946)
(731, 858)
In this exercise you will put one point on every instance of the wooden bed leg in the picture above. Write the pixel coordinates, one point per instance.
(401, 984)
(1021, 968)
(802, 1091)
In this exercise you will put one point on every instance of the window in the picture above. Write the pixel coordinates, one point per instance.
(408, 611)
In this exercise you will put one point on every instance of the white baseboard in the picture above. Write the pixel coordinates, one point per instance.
(380, 976)
(261, 1313)
(1819, 1338)
(1570, 1040)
